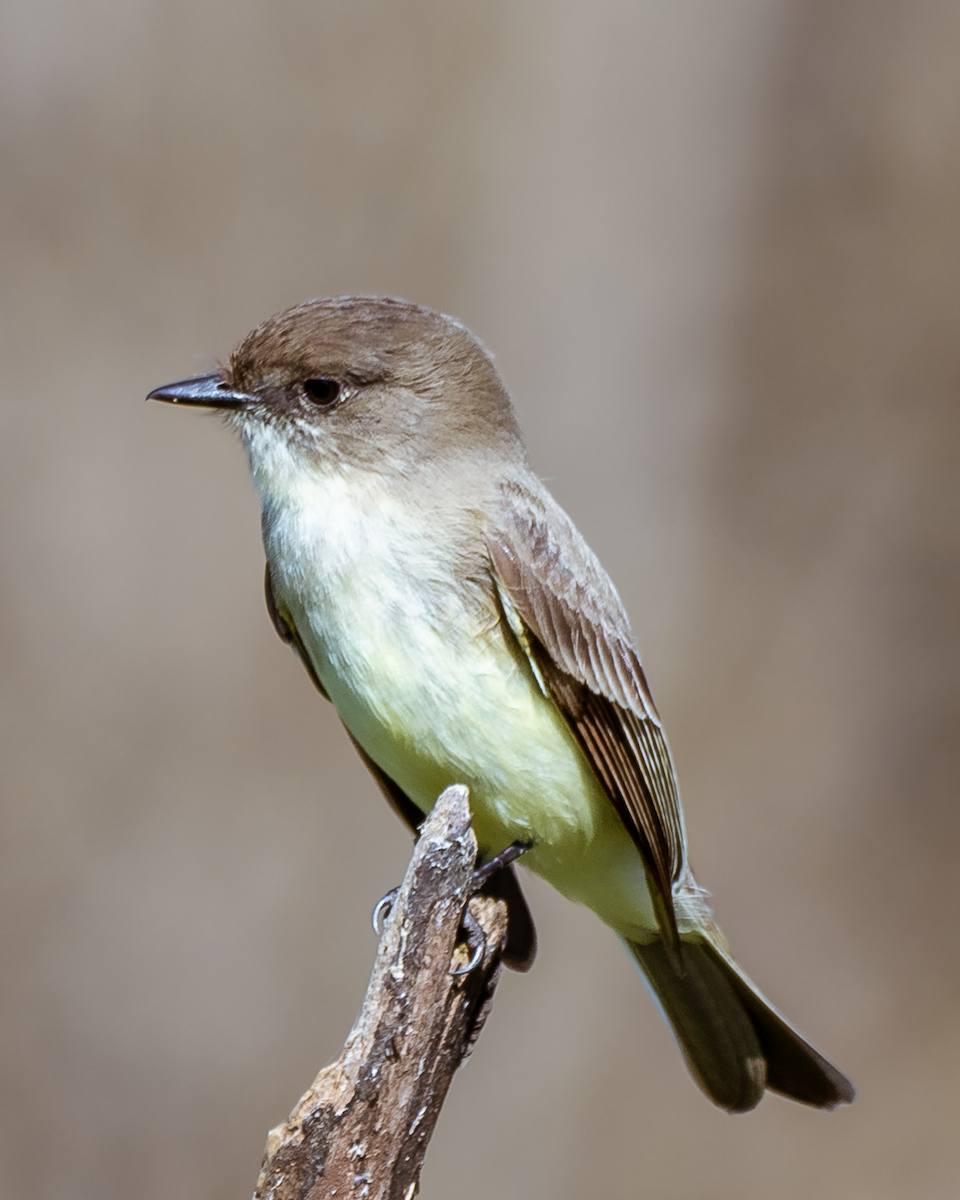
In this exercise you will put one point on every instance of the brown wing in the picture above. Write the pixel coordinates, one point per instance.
(521, 945)
(287, 631)
(567, 615)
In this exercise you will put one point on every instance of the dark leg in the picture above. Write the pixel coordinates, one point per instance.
(497, 863)
(482, 877)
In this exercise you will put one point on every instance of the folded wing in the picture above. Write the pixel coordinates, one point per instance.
(566, 613)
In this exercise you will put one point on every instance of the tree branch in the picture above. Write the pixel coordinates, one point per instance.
(363, 1127)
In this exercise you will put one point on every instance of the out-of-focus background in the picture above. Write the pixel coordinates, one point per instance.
(716, 250)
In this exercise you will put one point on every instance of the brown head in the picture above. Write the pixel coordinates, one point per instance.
(364, 380)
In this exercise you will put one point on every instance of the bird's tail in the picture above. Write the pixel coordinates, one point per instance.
(735, 1042)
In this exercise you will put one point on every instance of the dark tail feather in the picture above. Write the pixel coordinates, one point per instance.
(735, 1042)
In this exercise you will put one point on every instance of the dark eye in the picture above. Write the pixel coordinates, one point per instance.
(322, 391)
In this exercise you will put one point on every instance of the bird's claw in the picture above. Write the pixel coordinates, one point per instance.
(475, 940)
(471, 926)
(382, 909)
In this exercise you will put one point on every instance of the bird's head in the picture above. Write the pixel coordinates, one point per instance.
(359, 381)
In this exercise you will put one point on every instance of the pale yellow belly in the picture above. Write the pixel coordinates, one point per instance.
(462, 706)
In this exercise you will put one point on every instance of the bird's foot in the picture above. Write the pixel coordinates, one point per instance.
(470, 926)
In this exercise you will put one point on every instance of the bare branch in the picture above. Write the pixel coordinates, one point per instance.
(363, 1127)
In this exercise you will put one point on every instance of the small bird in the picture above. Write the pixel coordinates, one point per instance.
(465, 633)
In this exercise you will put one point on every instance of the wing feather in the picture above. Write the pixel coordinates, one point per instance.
(580, 644)
(287, 631)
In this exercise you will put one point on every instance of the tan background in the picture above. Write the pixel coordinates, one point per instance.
(716, 249)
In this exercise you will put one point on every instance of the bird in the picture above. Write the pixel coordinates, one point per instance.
(447, 606)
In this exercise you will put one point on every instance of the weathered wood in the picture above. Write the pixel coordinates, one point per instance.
(362, 1129)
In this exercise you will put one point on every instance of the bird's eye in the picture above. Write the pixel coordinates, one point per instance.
(324, 392)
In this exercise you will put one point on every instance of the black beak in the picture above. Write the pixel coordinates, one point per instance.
(204, 391)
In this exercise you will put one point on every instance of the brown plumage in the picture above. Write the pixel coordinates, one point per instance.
(465, 632)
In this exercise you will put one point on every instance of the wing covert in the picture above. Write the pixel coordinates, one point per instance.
(567, 615)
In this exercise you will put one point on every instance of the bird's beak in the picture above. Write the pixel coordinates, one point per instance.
(204, 391)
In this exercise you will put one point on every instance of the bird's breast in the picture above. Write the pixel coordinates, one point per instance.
(411, 648)
(405, 634)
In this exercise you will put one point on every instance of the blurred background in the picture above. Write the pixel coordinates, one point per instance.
(716, 251)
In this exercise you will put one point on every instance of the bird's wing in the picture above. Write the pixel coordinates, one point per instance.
(520, 948)
(566, 614)
(287, 631)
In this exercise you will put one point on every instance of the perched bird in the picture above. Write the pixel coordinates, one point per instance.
(465, 633)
